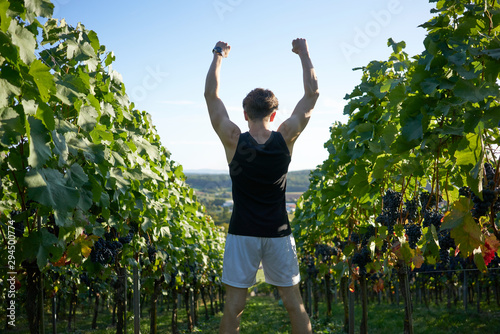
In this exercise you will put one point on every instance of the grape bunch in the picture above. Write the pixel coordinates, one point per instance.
(414, 233)
(362, 258)
(18, 225)
(354, 237)
(445, 243)
(481, 207)
(126, 239)
(428, 200)
(445, 240)
(444, 256)
(31, 205)
(152, 253)
(411, 209)
(308, 260)
(104, 252)
(18, 229)
(465, 192)
(490, 194)
(391, 200)
(325, 252)
(432, 218)
(390, 213)
(489, 172)
(370, 232)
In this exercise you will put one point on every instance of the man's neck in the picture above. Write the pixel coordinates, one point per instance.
(260, 130)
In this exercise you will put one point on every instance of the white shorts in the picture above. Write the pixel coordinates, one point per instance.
(243, 255)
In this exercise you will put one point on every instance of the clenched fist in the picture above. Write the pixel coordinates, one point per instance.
(225, 48)
(299, 46)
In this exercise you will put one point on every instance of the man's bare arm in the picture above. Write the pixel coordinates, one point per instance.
(293, 126)
(227, 131)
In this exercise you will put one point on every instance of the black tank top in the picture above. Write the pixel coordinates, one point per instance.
(258, 172)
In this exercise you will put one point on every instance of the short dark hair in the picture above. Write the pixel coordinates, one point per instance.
(260, 103)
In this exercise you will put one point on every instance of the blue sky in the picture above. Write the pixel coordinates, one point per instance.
(163, 51)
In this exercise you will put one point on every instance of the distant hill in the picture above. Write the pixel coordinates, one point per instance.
(298, 181)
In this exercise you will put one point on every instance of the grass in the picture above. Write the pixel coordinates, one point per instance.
(265, 315)
(388, 319)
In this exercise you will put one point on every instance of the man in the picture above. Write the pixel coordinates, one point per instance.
(259, 229)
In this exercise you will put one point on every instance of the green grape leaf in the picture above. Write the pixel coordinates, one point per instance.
(430, 240)
(6, 90)
(493, 53)
(464, 229)
(49, 187)
(471, 152)
(479, 259)
(429, 85)
(4, 18)
(24, 40)
(42, 246)
(94, 41)
(42, 8)
(46, 114)
(60, 148)
(39, 141)
(389, 134)
(77, 176)
(88, 118)
(43, 79)
(109, 59)
(70, 88)
(100, 132)
(30, 107)
(412, 130)
(467, 91)
(11, 127)
(81, 50)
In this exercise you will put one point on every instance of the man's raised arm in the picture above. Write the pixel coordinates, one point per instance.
(227, 131)
(293, 126)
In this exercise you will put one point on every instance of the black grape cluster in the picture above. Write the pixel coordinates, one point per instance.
(390, 213)
(410, 210)
(339, 244)
(308, 260)
(489, 172)
(18, 226)
(431, 214)
(362, 258)
(85, 279)
(31, 205)
(428, 200)
(126, 239)
(481, 207)
(354, 237)
(370, 232)
(325, 252)
(432, 217)
(104, 252)
(445, 243)
(490, 194)
(414, 233)
(152, 253)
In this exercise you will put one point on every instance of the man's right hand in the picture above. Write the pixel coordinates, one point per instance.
(225, 48)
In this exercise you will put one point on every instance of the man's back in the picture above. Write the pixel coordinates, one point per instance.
(258, 172)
